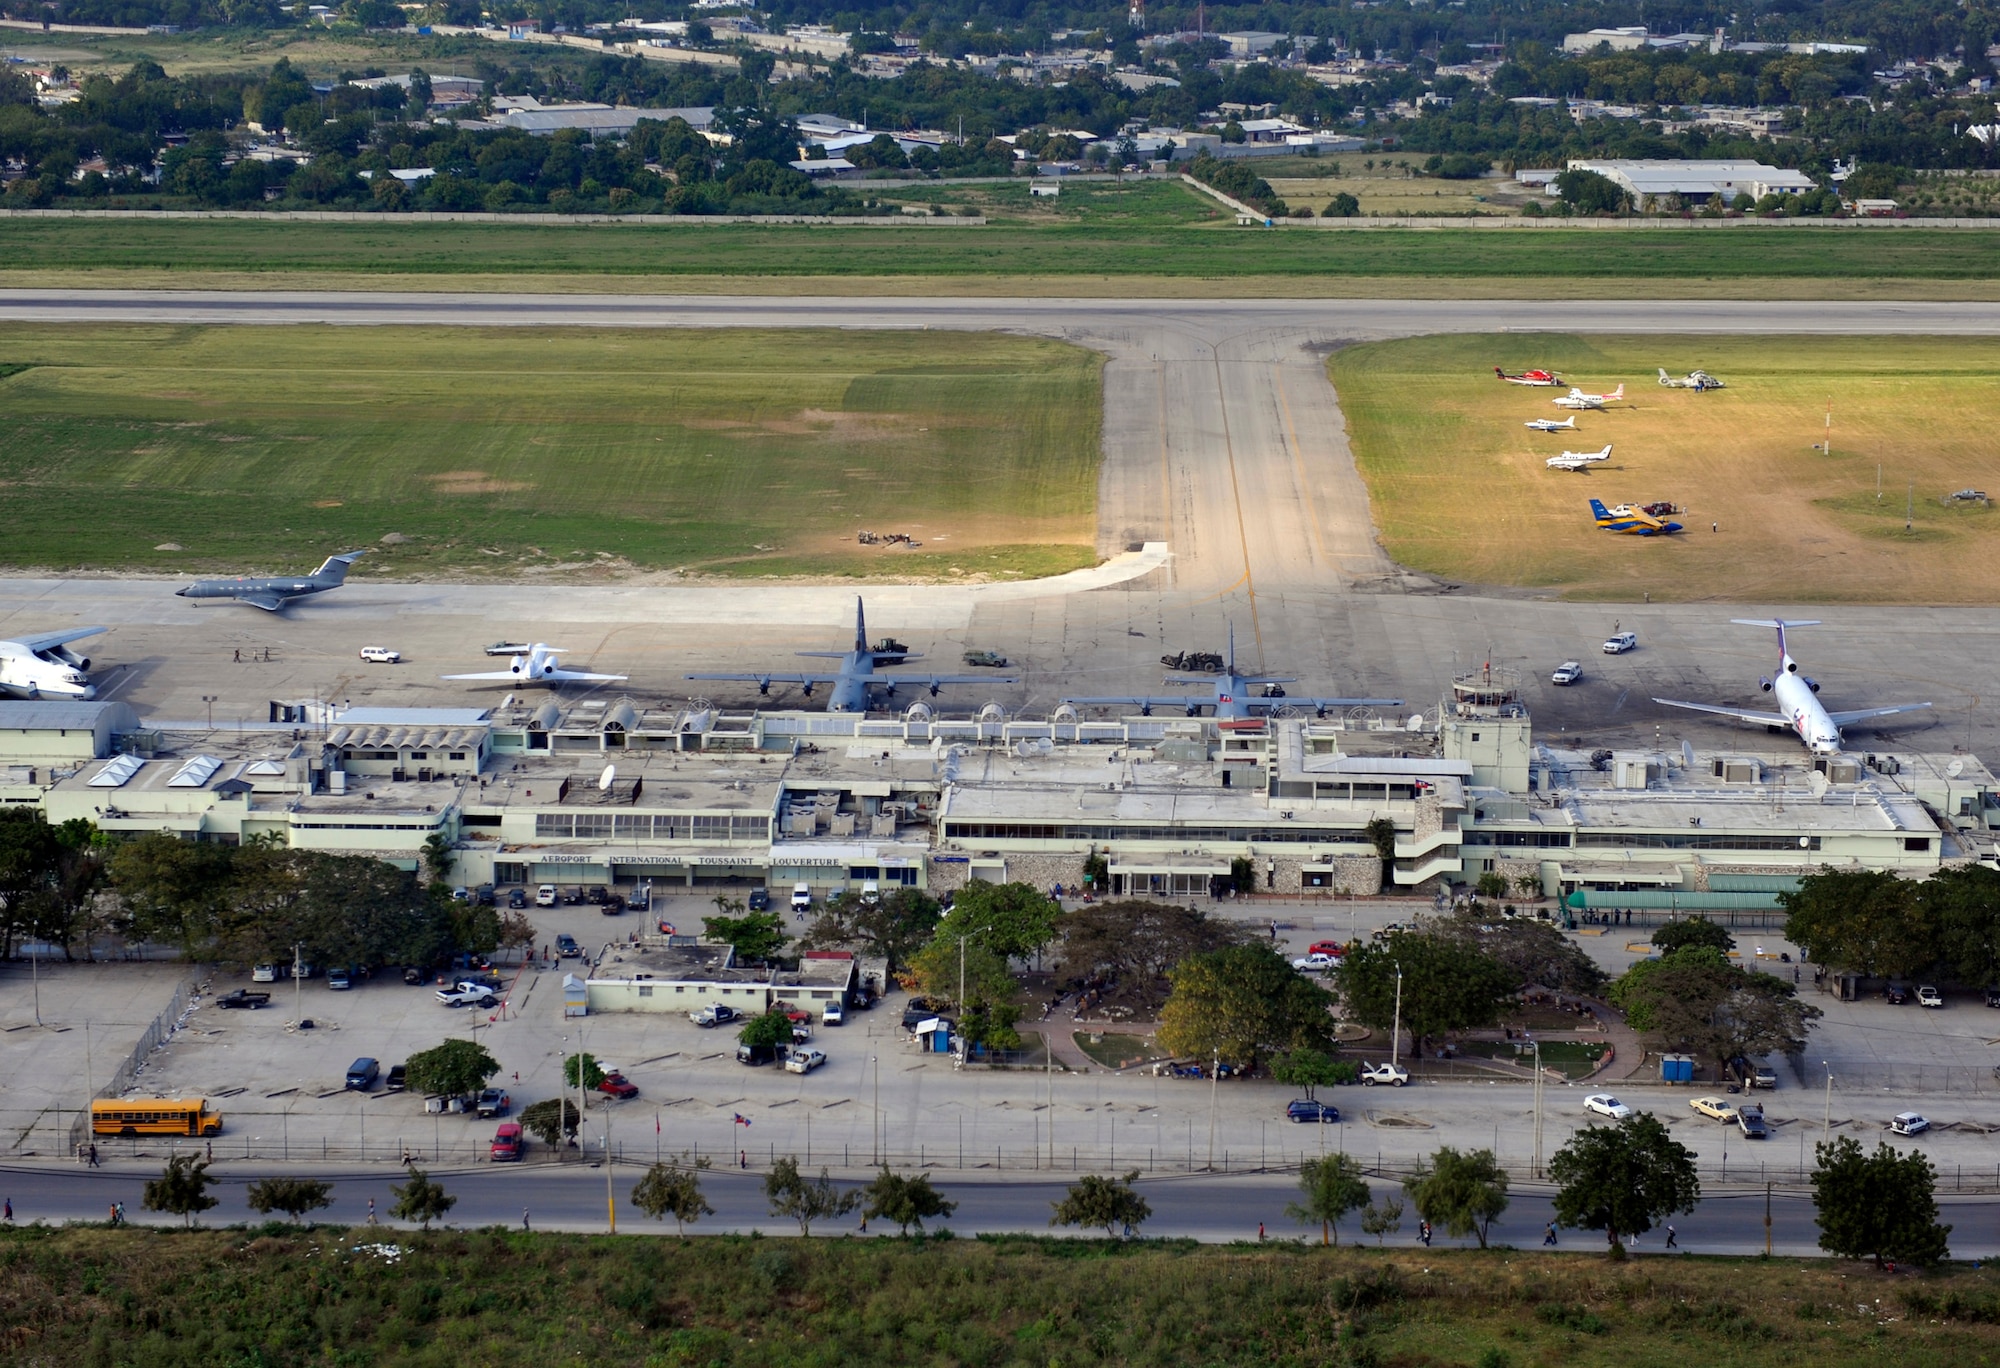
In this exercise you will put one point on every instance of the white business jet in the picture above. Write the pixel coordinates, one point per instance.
(539, 666)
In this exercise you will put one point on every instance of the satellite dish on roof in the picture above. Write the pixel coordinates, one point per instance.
(1687, 755)
(1955, 768)
(1817, 781)
(1416, 722)
(604, 779)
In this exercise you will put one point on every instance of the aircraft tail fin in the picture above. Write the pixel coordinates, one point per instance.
(333, 570)
(1606, 453)
(1597, 507)
(1618, 393)
(1663, 376)
(1780, 624)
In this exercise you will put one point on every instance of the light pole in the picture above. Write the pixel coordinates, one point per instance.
(210, 700)
(35, 963)
(610, 1203)
(875, 1126)
(1538, 1109)
(1214, 1081)
(298, 984)
(1826, 1119)
(1396, 1030)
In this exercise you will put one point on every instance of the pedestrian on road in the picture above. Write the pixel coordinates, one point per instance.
(743, 1159)
(1260, 1232)
(1549, 1235)
(371, 1211)
(1672, 1243)
(93, 1154)
(524, 1218)
(1424, 1233)
(10, 1211)
(114, 1214)
(239, 655)
(210, 1147)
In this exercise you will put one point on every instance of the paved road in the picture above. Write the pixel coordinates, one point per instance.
(1202, 1206)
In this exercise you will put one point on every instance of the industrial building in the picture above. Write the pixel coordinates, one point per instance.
(704, 800)
(1695, 182)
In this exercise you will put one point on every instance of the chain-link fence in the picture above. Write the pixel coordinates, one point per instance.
(156, 1034)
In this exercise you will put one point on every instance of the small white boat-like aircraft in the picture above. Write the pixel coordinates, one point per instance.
(1577, 399)
(1579, 460)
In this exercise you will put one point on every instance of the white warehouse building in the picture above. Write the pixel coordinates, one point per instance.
(1649, 182)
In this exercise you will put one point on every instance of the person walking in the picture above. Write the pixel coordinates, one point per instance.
(371, 1211)
(10, 1211)
(1424, 1233)
(93, 1154)
(1260, 1232)
(524, 1218)
(1672, 1240)
(743, 1159)
(1549, 1235)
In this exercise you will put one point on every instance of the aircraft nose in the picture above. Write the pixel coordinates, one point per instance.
(180, 593)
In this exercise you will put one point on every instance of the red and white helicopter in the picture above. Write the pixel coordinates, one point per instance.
(1540, 379)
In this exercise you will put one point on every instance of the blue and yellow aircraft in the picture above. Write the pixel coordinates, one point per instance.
(1626, 518)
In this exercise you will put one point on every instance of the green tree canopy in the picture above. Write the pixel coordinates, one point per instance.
(757, 936)
(1308, 1068)
(1097, 1201)
(1013, 920)
(1587, 192)
(1962, 907)
(454, 1068)
(1622, 1179)
(1693, 1001)
(582, 1070)
(806, 1200)
(1332, 1186)
(551, 1121)
(1880, 1206)
(892, 927)
(421, 1200)
(181, 1189)
(1870, 922)
(906, 1200)
(673, 1189)
(293, 1196)
(1242, 1004)
(1695, 931)
(1447, 985)
(1464, 1193)
(1534, 952)
(1135, 942)
(771, 1028)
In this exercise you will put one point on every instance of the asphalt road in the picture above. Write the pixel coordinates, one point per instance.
(1200, 1206)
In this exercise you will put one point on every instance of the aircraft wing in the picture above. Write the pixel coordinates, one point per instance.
(42, 641)
(935, 680)
(1136, 701)
(771, 678)
(492, 674)
(1766, 719)
(1325, 702)
(580, 677)
(1841, 719)
(261, 598)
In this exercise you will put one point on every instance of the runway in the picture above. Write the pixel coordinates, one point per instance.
(1223, 440)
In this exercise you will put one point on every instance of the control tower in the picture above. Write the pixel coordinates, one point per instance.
(1485, 724)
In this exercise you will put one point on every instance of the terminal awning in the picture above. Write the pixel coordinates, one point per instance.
(1199, 870)
(1642, 874)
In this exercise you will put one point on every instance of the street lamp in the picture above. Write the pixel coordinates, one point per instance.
(1396, 1030)
(1826, 1120)
(211, 700)
(875, 1126)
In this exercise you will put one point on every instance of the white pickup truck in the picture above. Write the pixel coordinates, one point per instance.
(1384, 1073)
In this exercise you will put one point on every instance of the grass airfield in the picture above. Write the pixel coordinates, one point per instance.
(1459, 486)
(539, 452)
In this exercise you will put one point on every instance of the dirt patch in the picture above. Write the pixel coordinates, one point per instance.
(474, 482)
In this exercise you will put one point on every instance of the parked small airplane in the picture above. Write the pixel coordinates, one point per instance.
(1577, 399)
(41, 666)
(1552, 424)
(1797, 697)
(272, 592)
(1696, 380)
(1579, 460)
(856, 686)
(1540, 379)
(1232, 695)
(538, 666)
(1626, 518)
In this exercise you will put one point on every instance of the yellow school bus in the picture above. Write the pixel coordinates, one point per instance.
(154, 1116)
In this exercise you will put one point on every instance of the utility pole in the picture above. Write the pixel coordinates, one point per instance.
(1538, 1109)
(298, 985)
(1767, 1219)
(961, 975)
(35, 963)
(1049, 1071)
(876, 1127)
(1826, 1120)
(610, 1203)
(1214, 1080)
(1396, 1030)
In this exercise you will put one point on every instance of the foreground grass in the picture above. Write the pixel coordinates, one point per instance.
(1459, 487)
(729, 452)
(1159, 230)
(280, 1297)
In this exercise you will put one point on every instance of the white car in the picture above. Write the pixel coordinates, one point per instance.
(1384, 1073)
(545, 896)
(802, 897)
(1909, 1123)
(1604, 1104)
(834, 1015)
(1315, 964)
(1569, 672)
(264, 973)
(1620, 644)
(381, 655)
(804, 1061)
(1928, 996)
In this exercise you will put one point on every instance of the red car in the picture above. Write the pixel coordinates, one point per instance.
(1334, 948)
(508, 1142)
(618, 1086)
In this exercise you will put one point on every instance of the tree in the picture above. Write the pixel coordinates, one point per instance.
(1963, 906)
(1694, 1001)
(1382, 1218)
(906, 1201)
(551, 1121)
(1589, 193)
(1333, 1186)
(455, 1068)
(772, 1028)
(1306, 1068)
(181, 1189)
(790, 1194)
(1012, 920)
(1242, 1004)
(1678, 935)
(173, 891)
(892, 927)
(293, 1196)
(421, 1200)
(1464, 1193)
(1623, 1178)
(1132, 944)
(1879, 1206)
(1447, 985)
(671, 1190)
(756, 936)
(586, 1064)
(1870, 922)
(1108, 1202)
(1343, 205)
(438, 851)
(1534, 952)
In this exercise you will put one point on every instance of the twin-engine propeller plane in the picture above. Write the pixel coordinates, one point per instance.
(1797, 698)
(1552, 424)
(1577, 399)
(1637, 521)
(1579, 460)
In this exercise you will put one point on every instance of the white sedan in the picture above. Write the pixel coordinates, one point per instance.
(1604, 1104)
(1909, 1123)
(1315, 964)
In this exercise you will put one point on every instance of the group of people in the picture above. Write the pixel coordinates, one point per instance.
(1611, 916)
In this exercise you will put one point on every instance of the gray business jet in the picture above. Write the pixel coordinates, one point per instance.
(272, 592)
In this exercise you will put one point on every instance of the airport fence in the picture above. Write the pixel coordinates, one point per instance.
(156, 1033)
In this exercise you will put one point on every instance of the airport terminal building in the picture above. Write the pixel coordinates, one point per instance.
(708, 801)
